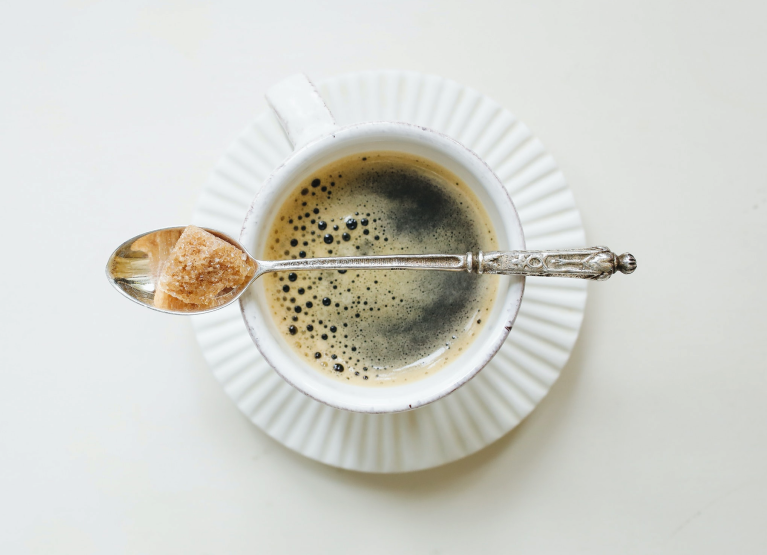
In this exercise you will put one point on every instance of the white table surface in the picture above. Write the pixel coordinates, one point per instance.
(114, 436)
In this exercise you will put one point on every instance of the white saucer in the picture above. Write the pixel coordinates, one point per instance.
(517, 378)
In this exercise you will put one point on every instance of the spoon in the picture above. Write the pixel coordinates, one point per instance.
(135, 265)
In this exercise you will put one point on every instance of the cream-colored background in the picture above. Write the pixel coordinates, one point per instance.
(114, 437)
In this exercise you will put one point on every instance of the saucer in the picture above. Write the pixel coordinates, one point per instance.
(514, 381)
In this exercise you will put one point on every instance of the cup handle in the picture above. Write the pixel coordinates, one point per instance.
(300, 109)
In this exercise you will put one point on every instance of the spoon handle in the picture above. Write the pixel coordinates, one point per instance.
(448, 262)
(597, 263)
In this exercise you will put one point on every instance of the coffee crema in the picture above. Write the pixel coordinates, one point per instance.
(379, 327)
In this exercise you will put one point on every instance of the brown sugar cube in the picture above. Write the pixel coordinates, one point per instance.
(165, 301)
(201, 266)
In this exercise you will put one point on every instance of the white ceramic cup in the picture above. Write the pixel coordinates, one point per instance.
(318, 141)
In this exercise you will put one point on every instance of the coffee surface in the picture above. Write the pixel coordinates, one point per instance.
(379, 327)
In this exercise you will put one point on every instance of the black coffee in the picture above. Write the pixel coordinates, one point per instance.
(379, 327)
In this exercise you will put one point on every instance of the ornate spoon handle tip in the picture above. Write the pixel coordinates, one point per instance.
(597, 263)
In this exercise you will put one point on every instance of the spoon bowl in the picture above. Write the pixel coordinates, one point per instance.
(134, 269)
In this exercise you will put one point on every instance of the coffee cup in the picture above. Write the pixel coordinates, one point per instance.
(318, 141)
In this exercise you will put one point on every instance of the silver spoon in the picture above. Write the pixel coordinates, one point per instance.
(134, 272)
